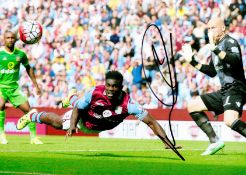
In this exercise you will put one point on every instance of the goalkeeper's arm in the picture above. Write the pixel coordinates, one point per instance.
(206, 69)
(188, 55)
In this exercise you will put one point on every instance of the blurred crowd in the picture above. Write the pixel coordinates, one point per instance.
(82, 39)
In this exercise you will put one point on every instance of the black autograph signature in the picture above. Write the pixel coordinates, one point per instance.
(173, 80)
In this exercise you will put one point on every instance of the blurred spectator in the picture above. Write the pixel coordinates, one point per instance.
(149, 103)
(137, 73)
(82, 40)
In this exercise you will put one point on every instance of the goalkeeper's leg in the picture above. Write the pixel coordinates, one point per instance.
(231, 119)
(195, 108)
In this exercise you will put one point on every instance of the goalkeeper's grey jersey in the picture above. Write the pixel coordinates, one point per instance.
(230, 68)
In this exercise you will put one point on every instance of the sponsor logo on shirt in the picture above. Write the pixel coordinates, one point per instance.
(97, 115)
(8, 71)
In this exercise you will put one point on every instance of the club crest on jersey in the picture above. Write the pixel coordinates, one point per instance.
(11, 65)
(107, 113)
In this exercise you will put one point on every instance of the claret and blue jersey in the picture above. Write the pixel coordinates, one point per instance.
(99, 113)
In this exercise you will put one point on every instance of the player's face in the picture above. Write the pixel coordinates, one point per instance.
(9, 39)
(113, 88)
(217, 28)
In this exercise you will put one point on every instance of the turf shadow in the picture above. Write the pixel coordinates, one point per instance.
(118, 155)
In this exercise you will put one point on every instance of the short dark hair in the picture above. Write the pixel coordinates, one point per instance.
(116, 75)
(10, 31)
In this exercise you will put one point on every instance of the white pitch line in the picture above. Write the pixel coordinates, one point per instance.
(15, 172)
(95, 150)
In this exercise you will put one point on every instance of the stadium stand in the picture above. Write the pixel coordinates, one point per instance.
(84, 39)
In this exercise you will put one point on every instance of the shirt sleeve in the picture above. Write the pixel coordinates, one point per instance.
(84, 102)
(232, 50)
(134, 108)
(209, 69)
(24, 60)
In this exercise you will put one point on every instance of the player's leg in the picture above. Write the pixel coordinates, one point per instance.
(66, 101)
(231, 119)
(211, 102)
(25, 107)
(58, 122)
(3, 139)
(195, 108)
(239, 126)
(234, 99)
(72, 99)
(51, 119)
(19, 100)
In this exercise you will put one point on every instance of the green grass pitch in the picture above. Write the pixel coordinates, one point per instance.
(90, 155)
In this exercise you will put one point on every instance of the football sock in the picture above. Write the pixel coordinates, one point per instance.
(35, 117)
(2, 119)
(32, 128)
(239, 126)
(202, 121)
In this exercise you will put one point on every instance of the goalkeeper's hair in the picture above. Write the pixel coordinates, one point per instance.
(116, 75)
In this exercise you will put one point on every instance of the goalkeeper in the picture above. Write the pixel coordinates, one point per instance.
(226, 62)
(10, 60)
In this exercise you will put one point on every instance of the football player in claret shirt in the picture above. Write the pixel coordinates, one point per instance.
(226, 62)
(102, 108)
(10, 60)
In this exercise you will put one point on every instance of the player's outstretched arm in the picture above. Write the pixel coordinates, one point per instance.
(73, 122)
(31, 74)
(154, 125)
(158, 130)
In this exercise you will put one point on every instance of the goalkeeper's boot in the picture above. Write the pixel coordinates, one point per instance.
(213, 148)
(66, 100)
(36, 141)
(3, 139)
(25, 120)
